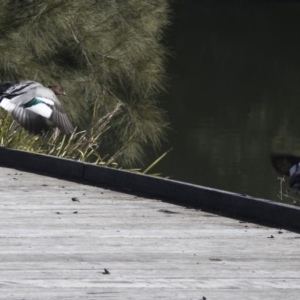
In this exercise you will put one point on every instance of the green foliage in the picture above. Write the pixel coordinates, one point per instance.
(108, 56)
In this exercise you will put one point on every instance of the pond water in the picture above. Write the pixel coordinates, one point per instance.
(234, 94)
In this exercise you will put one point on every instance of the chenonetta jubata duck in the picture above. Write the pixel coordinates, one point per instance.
(288, 165)
(30, 102)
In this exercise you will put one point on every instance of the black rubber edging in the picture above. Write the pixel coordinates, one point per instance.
(224, 203)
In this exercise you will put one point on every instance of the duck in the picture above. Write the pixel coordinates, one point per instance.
(30, 103)
(288, 165)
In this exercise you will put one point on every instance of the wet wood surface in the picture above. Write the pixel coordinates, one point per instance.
(63, 240)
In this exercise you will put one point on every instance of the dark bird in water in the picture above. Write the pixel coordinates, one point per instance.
(29, 102)
(289, 165)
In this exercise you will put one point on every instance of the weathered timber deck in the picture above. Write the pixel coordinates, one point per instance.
(52, 247)
(242, 207)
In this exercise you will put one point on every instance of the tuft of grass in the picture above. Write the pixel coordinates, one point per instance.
(286, 194)
(156, 162)
(81, 145)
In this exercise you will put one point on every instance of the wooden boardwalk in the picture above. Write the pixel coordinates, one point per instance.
(57, 238)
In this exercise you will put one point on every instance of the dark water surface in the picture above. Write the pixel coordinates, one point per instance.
(235, 93)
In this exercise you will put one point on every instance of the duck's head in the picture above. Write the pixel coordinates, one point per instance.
(57, 89)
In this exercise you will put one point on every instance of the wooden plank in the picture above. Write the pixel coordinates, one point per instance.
(52, 247)
(221, 202)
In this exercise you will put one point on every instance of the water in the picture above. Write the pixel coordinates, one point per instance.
(234, 96)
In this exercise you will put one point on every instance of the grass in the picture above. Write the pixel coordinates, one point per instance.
(80, 146)
(287, 192)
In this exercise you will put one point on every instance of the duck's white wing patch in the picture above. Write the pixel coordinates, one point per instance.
(41, 109)
(7, 104)
(40, 106)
